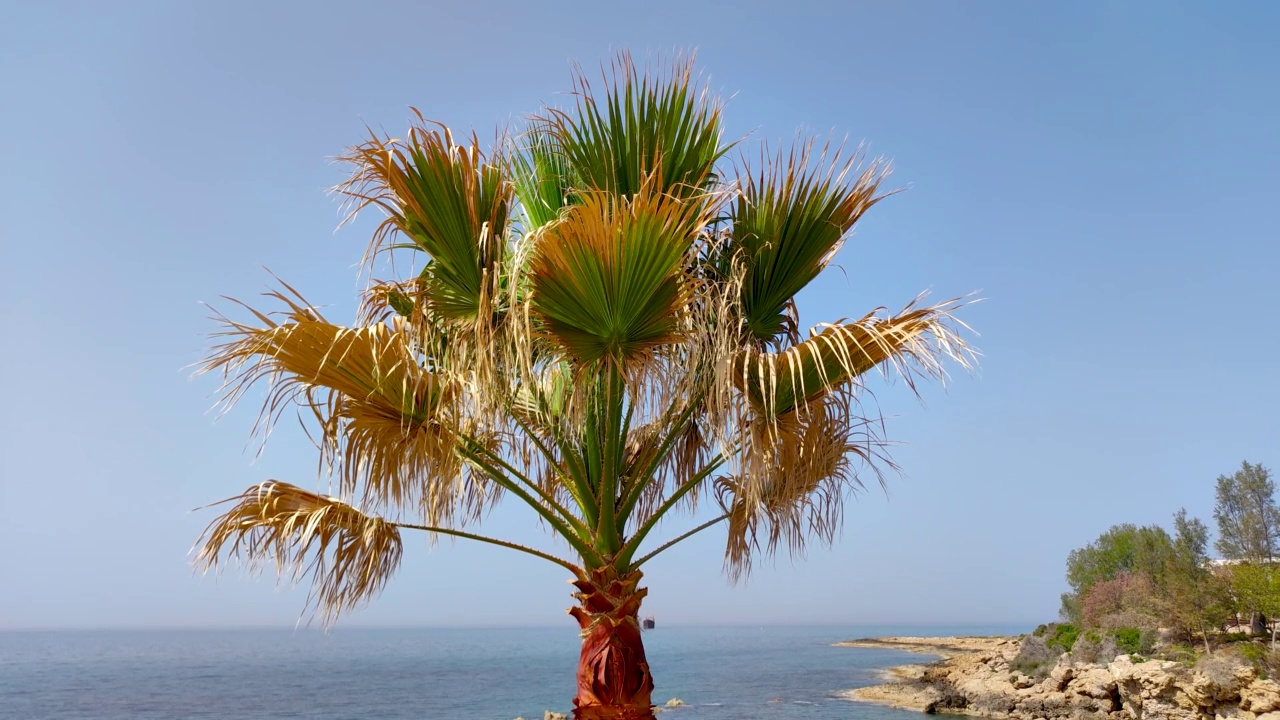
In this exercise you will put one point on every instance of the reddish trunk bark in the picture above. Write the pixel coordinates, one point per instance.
(613, 676)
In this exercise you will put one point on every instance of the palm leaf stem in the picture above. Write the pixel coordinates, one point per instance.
(589, 555)
(570, 464)
(683, 537)
(624, 556)
(571, 519)
(608, 539)
(641, 479)
(494, 541)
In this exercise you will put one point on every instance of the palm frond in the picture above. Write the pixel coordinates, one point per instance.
(348, 555)
(788, 221)
(646, 124)
(448, 199)
(541, 175)
(916, 340)
(607, 278)
(793, 477)
(388, 425)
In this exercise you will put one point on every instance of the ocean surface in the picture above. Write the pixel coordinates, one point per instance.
(723, 673)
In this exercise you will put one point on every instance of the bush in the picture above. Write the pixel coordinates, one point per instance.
(1040, 630)
(1035, 658)
(1260, 656)
(1094, 647)
(1221, 667)
(1063, 637)
(1253, 652)
(1133, 641)
(1182, 654)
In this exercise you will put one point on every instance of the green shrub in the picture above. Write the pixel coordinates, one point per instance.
(1236, 637)
(1182, 654)
(1063, 637)
(1040, 630)
(1253, 652)
(1129, 640)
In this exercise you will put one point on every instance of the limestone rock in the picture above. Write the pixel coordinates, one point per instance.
(1093, 682)
(675, 702)
(1220, 687)
(549, 715)
(1261, 697)
(1061, 674)
(1020, 681)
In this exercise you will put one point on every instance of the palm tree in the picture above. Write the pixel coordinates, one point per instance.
(604, 328)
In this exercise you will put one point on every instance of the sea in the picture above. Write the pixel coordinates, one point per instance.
(720, 673)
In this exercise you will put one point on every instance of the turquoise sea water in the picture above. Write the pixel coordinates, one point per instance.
(738, 673)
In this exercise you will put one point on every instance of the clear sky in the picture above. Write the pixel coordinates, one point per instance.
(1105, 173)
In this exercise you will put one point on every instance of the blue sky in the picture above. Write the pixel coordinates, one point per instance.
(1104, 173)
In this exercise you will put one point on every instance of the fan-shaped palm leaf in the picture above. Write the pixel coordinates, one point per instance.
(348, 554)
(788, 222)
(644, 126)
(449, 200)
(916, 339)
(607, 278)
(382, 415)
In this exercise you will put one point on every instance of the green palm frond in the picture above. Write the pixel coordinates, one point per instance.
(788, 221)
(915, 340)
(661, 125)
(607, 278)
(541, 175)
(348, 555)
(449, 200)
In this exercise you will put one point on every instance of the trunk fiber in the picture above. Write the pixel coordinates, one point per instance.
(613, 676)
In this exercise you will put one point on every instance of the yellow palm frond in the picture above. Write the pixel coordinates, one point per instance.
(793, 476)
(348, 554)
(384, 418)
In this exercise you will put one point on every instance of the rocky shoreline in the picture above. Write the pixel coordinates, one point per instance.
(975, 678)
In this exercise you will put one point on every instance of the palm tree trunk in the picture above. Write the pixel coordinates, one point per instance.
(613, 676)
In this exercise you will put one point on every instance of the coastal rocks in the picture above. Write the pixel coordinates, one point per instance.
(550, 715)
(976, 679)
(1153, 689)
(1094, 682)
(675, 702)
(1261, 697)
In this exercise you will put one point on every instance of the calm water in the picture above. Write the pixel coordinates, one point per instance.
(738, 673)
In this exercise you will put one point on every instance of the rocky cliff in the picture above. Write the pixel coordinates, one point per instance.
(975, 678)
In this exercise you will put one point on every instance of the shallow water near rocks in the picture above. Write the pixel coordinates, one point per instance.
(743, 673)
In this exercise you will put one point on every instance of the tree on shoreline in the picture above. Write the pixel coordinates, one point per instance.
(1247, 515)
(604, 329)
(1196, 597)
(1123, 550)
(1248, 524)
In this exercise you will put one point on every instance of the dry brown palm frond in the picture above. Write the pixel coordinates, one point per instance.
(388, 426)
(348, 555)
(794, 474)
